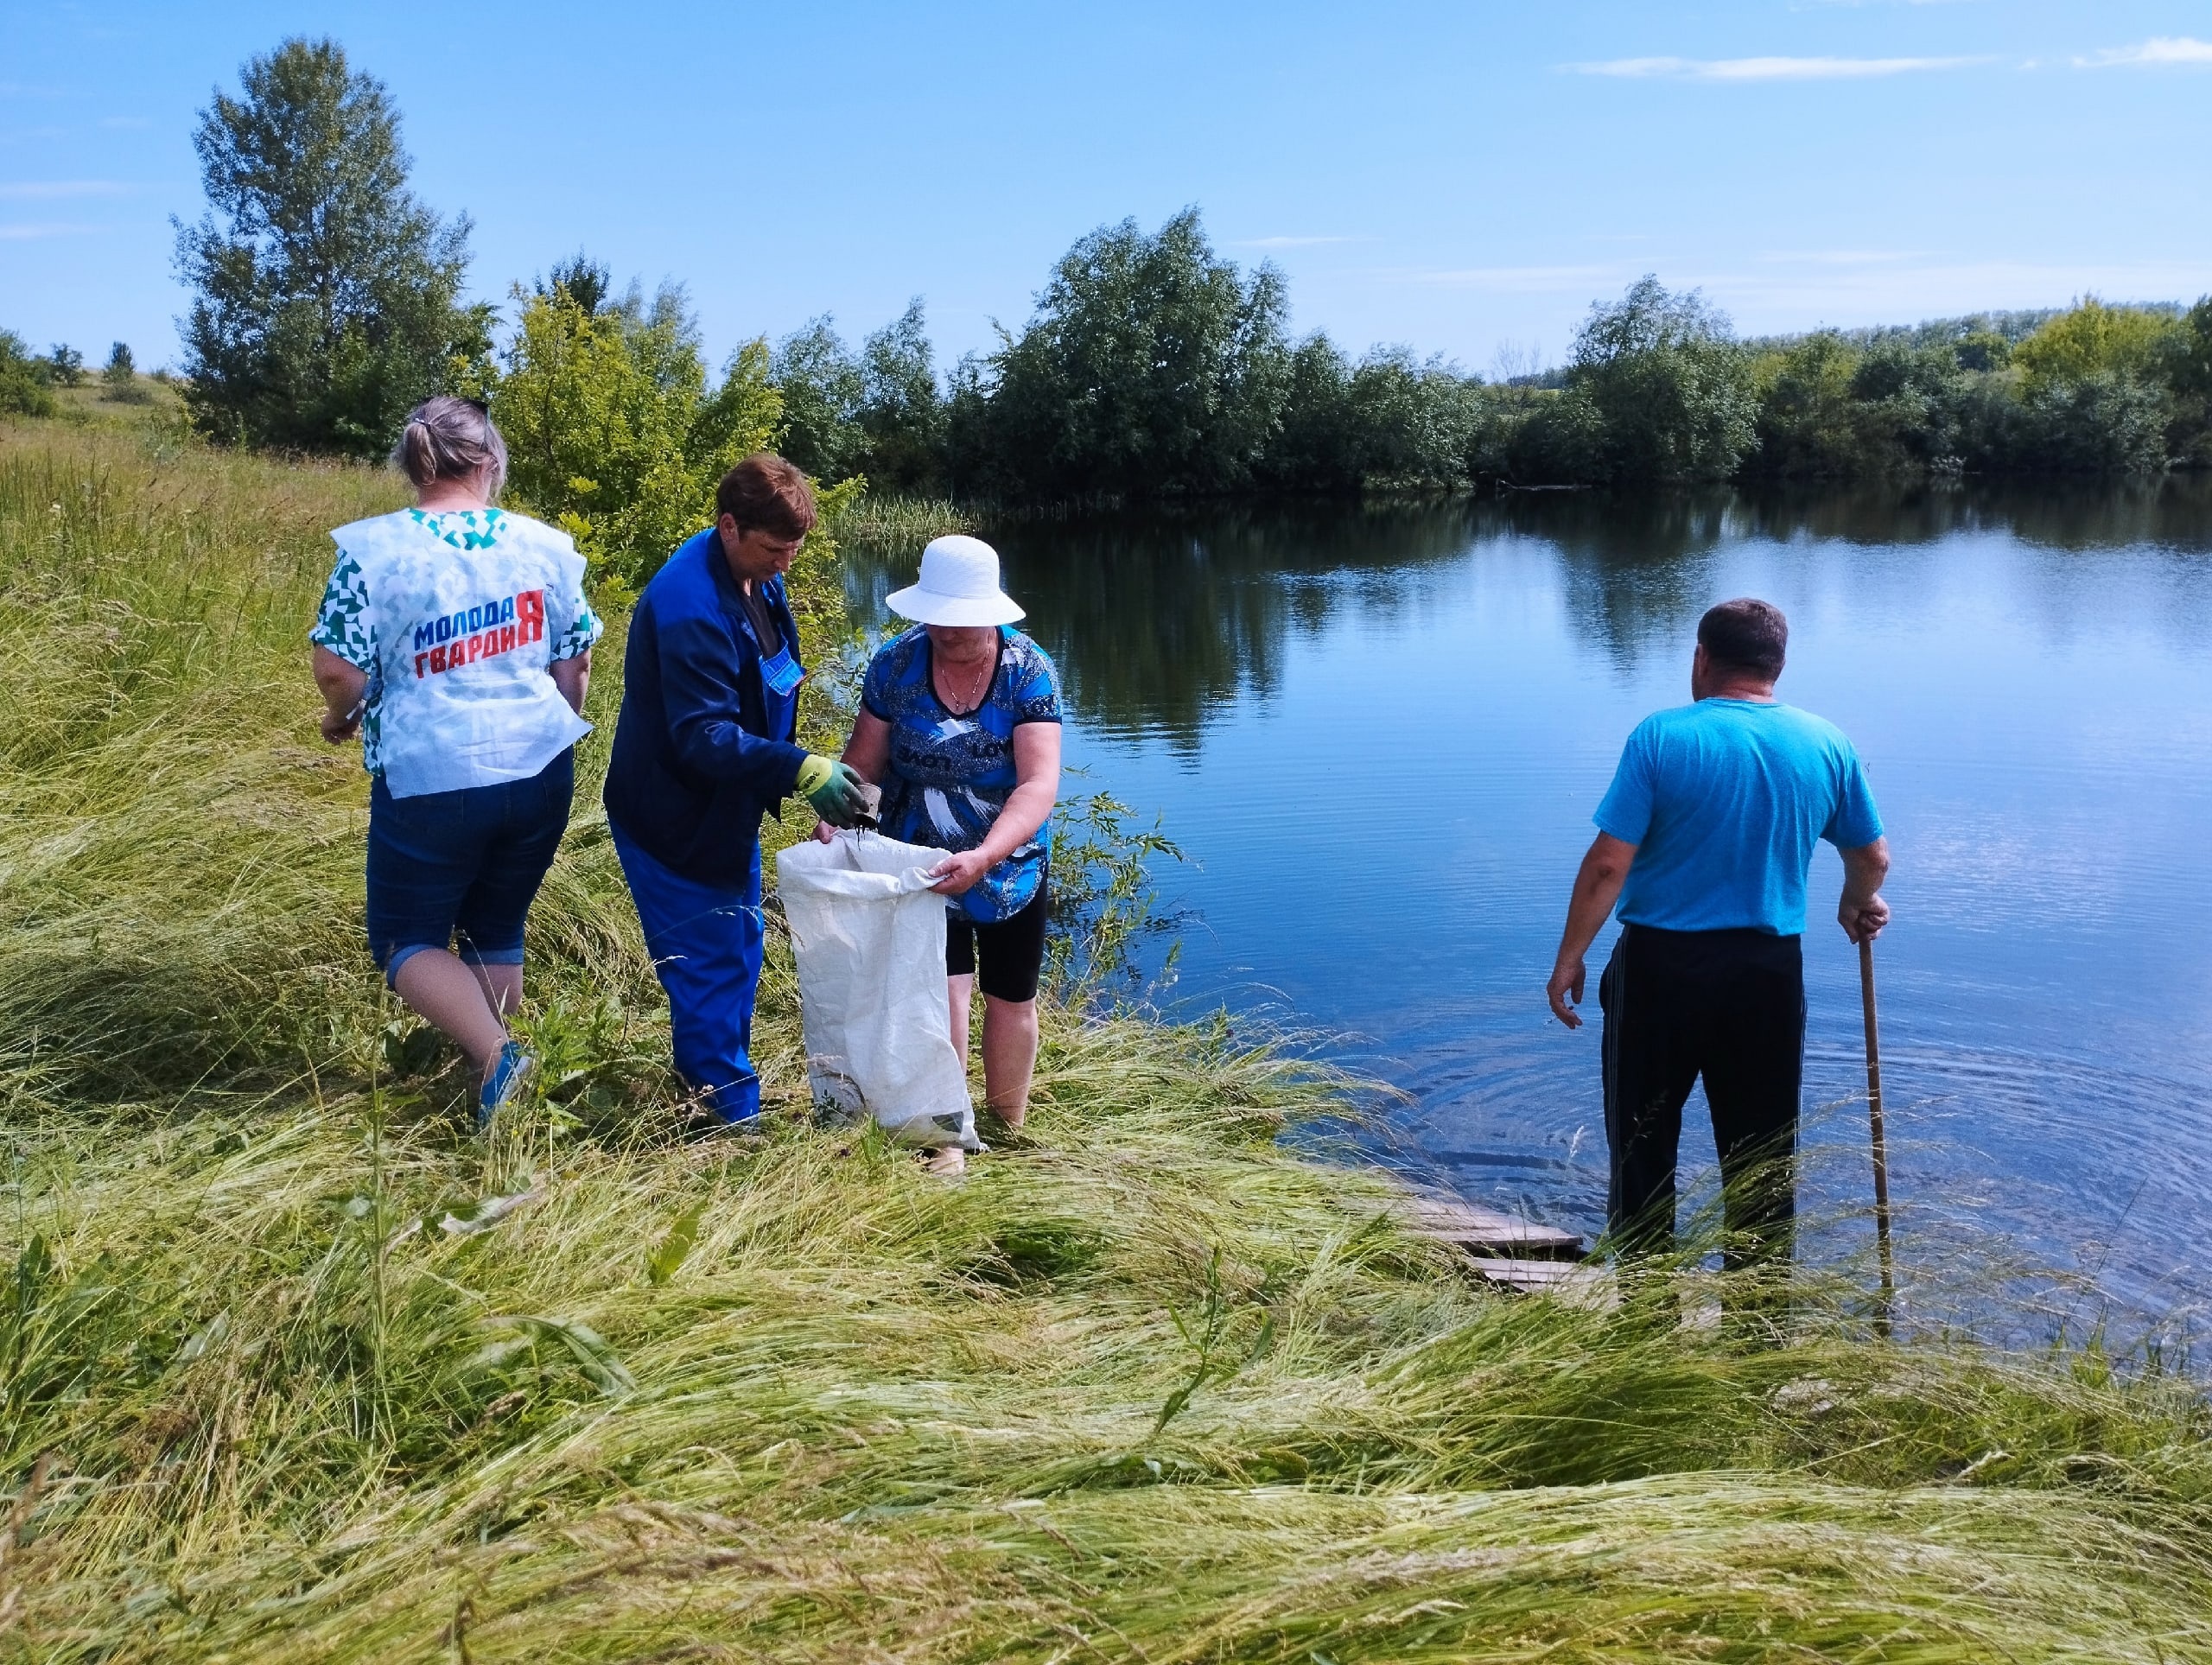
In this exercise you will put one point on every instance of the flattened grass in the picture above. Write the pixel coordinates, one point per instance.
(275, 1383)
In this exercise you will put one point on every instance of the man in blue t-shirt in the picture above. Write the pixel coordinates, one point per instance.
(1705, 839)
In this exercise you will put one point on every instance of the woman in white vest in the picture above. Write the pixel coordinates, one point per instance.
(455, 638)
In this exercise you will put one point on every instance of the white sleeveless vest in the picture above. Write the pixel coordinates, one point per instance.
(463, 697)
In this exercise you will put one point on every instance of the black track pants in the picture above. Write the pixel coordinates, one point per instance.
(1729, 1005)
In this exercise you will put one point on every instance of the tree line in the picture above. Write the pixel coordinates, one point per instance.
(1153, 368)
(328, 300)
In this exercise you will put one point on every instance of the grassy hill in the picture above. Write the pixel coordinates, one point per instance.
(293, 1367)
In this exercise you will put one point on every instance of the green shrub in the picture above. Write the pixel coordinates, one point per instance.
(613, 431)
(119, 383)
(1658, 392)
(23, 390)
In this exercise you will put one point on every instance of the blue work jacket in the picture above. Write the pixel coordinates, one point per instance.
(695, 766)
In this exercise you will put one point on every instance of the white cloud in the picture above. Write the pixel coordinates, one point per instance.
(55, 190)
(1764, 69)
(27, 233)
(2159, 50)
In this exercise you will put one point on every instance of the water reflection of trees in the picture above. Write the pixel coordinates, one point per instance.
(2174, 513)
(1636, 570)
(1158, 623)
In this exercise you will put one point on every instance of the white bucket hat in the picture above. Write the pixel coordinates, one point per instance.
(959, 585)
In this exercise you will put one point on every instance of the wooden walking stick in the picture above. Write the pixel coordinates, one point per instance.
(1881, 1318)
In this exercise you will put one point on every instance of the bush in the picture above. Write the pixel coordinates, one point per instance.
(119, 378)
(2094, 338)
(1658, 391)
(1830, 410)
(23, 392)
(612, 431)
(2108, 421)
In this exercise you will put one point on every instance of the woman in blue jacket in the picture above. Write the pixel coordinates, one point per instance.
(705, 746)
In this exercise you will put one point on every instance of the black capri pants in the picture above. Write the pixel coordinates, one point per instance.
(1010, 954)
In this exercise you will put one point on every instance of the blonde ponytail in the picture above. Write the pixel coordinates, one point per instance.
(446, 438)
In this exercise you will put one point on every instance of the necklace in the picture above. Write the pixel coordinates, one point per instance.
(973, 690)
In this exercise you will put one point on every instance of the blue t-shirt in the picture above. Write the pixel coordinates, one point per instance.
(1723, 800)
(950, 775)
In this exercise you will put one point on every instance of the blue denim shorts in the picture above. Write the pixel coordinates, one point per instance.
(465, 863)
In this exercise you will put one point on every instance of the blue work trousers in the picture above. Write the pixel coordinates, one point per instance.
(705, 941)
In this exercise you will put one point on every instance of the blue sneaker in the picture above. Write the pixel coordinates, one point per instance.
(509, 1077)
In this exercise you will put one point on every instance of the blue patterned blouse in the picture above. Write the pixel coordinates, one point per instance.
(950, 775)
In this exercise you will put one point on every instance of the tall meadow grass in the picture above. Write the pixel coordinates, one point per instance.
(293, 1367)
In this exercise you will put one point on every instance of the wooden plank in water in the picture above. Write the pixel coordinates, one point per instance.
(1454, 1220)
(1577, 1284)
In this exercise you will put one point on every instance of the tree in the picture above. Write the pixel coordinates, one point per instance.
(1315, 448)
(1830, 410)
(1410, 420)
(2092, 337)
(1150, 368)
(327, 298)
(23, 392)
(119, 378)
(612, 432)
(2188, 374)
(2108, 421)
(902, 414)
(1658, 391)
(822, 387)
(582, 280)
(69, 364)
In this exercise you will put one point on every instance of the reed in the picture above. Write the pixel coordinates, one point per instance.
(293, 1367)
(896, 525)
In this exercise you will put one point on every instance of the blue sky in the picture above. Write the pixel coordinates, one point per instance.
(1463, 178)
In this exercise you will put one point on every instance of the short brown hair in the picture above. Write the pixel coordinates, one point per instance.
(1745, 635)
(764, 493)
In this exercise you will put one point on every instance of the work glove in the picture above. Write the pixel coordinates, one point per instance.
(833, 789)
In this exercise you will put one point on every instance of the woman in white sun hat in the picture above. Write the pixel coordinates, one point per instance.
(960, 725)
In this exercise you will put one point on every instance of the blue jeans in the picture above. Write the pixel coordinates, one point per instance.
(465, 863)
(706, 943)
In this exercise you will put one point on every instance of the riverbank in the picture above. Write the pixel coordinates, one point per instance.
(295, 1367)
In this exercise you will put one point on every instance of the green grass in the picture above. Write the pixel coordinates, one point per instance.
(900, 525)
(274, 1385)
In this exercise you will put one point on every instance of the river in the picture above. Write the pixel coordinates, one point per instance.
(1379, 734)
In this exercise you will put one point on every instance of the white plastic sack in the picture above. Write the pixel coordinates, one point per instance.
(868, 934)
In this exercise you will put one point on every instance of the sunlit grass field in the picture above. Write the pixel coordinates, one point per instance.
(293, 1367)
